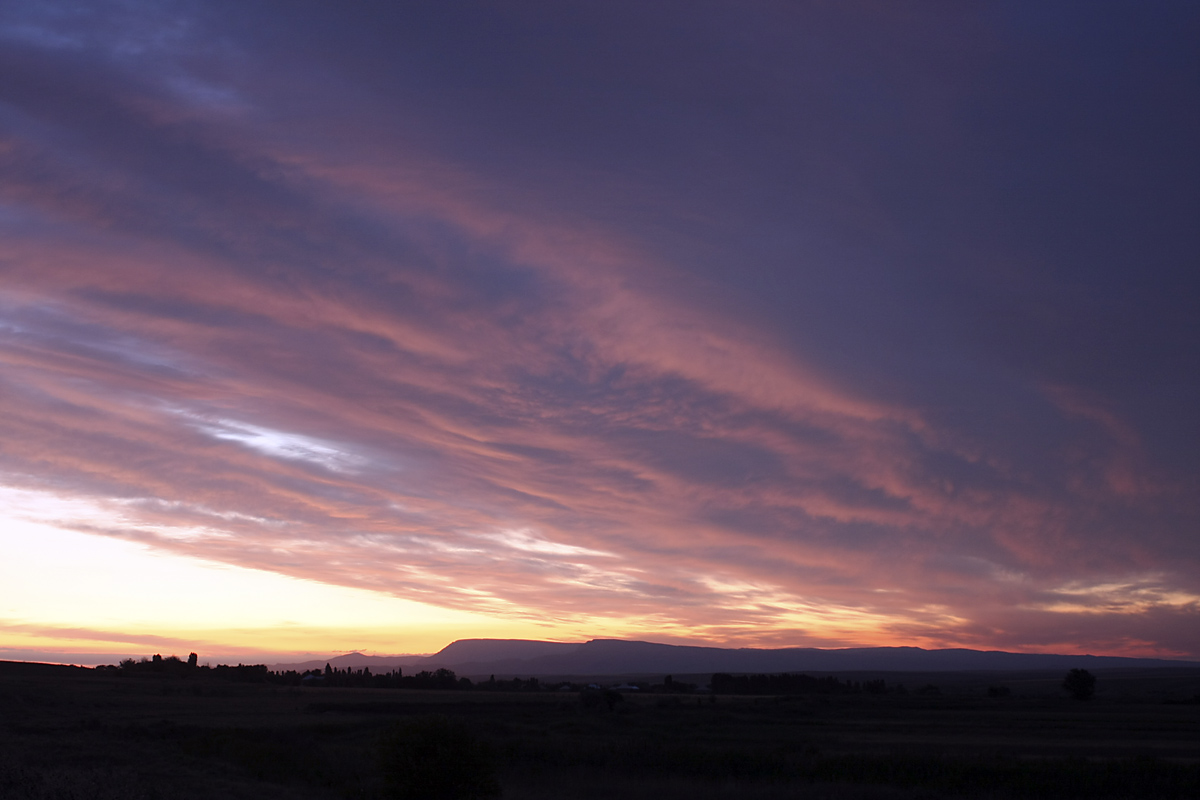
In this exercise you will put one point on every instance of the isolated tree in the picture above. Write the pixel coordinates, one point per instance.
(1080, 683)
(192, 659)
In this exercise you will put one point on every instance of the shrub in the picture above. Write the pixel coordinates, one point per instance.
(1080, 683)
(434, 758)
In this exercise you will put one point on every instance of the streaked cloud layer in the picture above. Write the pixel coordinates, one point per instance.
(789, 324)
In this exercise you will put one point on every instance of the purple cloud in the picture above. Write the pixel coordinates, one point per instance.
(705, 326)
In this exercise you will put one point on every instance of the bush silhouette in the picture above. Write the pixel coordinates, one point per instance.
(1080, 683)
(434, 758)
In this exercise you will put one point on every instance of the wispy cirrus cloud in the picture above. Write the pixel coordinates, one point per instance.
(307, 323)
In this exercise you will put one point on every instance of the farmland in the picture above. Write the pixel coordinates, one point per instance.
(72, 732)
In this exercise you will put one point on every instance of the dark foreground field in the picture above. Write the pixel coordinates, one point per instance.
(75, 733)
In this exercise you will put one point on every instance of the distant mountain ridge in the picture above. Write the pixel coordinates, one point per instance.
(527, 657)
(351, 661)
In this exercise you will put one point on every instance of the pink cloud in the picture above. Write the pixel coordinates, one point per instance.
(370, 365)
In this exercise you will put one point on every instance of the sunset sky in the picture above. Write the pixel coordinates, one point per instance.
(374, 325)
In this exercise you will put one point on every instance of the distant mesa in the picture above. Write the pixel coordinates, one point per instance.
(467, 650)
(621, 657)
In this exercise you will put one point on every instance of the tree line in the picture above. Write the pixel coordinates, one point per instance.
(1079, 683)
(330, 676)
(174, 667)
(446, 680)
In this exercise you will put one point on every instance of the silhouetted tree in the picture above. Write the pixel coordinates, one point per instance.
(1080, 683)
(193, 659)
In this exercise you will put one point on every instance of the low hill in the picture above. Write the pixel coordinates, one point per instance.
(353, 661)
(620, 657)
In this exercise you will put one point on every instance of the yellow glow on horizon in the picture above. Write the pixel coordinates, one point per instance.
(71, 591)
(66, 591)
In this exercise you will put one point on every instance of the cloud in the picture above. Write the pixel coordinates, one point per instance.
(297, 305)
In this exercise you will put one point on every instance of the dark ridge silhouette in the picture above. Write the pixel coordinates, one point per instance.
(352, 661)
(621, 657)
(465, 651)
(598, 657)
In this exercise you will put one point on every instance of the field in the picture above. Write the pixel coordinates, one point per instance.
(75, 733)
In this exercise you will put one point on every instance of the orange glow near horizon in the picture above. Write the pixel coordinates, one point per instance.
(110, 594)
(392, 328)
(122, 596)
(118, 595)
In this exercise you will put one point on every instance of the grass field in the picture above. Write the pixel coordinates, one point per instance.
(75, 733)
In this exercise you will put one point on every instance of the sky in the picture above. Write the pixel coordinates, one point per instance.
(374, 325)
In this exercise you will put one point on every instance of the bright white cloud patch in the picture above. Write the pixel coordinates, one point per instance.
(371, 328)
(281, 444)
(526, 541)
(1131, 595)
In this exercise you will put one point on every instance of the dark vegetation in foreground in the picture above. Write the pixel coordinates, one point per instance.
(162, 728)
